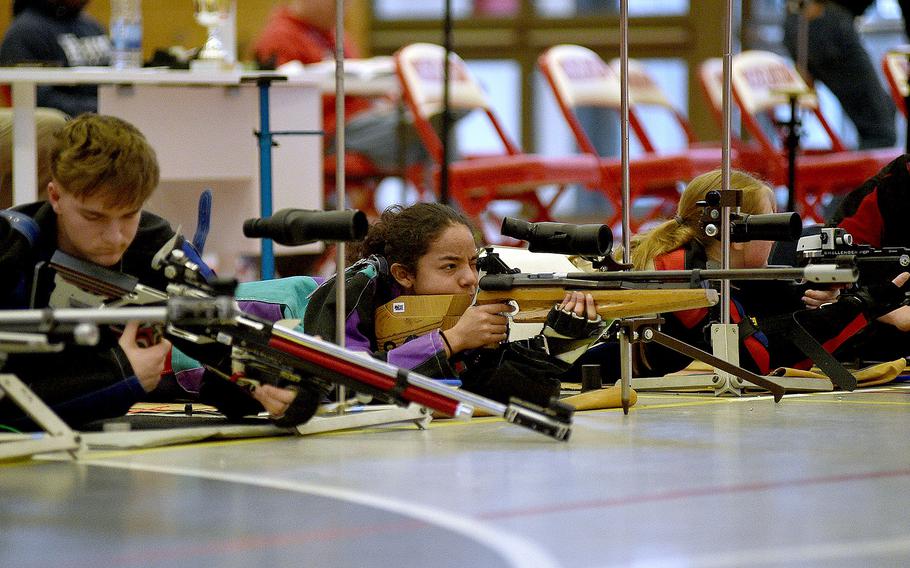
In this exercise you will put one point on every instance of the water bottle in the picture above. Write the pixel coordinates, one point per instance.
(126, 34)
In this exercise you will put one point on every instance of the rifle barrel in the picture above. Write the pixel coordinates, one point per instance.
(819, 273)
(18, 318)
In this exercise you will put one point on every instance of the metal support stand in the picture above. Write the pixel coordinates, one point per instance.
(793, 128)
(724, 337)
(266, 138)
(370, 416)
(57, 435)
(727, 378)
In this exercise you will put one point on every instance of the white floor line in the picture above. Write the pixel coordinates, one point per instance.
(896, 547)
(516, 551)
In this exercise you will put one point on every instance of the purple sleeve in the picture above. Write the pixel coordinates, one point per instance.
(417, 351)
(425, 354)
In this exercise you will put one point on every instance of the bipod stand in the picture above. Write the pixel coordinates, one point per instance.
(58, 436)
(728, 376)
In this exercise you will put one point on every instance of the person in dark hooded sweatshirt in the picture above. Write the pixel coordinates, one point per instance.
(57, 33)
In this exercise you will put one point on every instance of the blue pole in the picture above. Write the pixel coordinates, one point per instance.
(265, 176)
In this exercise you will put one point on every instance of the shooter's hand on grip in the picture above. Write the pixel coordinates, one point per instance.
(275, 400)
(479, 326)
(813, 299)
(147, 362)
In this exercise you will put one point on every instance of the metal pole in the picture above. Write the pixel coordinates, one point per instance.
(267, 254)
(624, 125)
(906, 104)
(446, 115)
(725, 160)
(625, 343)
(802, 40)
(340, 309)
(802, 67)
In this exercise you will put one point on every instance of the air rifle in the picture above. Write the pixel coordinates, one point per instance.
(618, 294)
(874, 265)
(203, 320)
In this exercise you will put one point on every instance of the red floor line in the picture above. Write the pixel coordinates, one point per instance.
(694, 492)
(233, 544)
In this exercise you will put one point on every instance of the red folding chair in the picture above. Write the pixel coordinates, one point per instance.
(894, 64)
(762, 83)
(474, 183)
(578, 77)
(749, 155)
(646, 94)
(362, 178)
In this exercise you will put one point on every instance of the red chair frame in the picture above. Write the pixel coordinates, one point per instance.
(474, 183)
(579, 77)
(761, 82)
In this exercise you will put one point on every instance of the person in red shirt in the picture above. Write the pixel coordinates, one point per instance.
(304, 31)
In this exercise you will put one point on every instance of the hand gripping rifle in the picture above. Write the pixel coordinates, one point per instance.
(203, 320)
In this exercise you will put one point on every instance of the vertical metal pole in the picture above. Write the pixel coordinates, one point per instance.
(802, 67)
(340, 309)
(792, 144)
(725, 160)
(624, 126)
(625, 347)
(267, 260)
(802, 40)
(906, 102)
(446, 114)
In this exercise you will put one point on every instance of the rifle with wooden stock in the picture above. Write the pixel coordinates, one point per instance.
(618, 294)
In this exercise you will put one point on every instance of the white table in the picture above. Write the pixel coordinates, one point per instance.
(201, 124)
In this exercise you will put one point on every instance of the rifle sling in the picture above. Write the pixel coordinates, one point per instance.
(790, 328)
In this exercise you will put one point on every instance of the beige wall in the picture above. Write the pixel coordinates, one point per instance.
(170, 22)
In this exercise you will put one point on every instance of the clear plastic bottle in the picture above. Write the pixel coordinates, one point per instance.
(126, 34)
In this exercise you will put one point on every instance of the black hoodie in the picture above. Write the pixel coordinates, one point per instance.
(47, 33)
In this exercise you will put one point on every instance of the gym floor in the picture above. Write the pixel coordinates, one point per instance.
(820, 479)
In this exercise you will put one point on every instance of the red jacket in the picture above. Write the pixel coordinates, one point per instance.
(288, 38)
(876, 212)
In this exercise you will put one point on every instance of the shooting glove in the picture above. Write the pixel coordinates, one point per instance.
(570, 325)
(876, 300)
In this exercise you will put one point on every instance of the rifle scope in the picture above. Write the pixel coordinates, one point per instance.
(294, 227)
(745, 227)
(561, 238)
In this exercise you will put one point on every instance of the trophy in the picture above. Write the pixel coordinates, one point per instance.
(213, 14)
